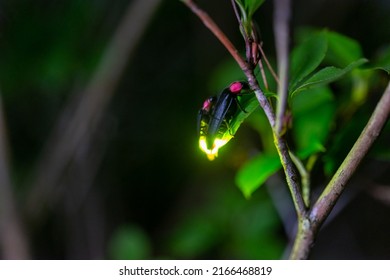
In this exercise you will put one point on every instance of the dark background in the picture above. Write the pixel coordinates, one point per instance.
(139, 187)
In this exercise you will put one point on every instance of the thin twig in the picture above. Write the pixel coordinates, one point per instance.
(281, 21)
(281, 30)
(270, 68)
(234, 5)
(292, 177)
(305, 178)
(329, 197)
(264, 77)
(13, 240)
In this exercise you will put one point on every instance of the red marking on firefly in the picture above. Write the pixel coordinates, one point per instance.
(207, 104)
(235, 87)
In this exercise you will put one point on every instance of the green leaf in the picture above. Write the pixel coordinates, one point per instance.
(313, 114)
(342, 50)
(306, 58)
(244, 15)
(385, 68)
(310, 99)
(255, 172)
(327, 75)
(249, 103)
(247, 9)
(251, 6)
(382, 62)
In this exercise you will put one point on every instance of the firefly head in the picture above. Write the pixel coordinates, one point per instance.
(206, 104)
(236, 87)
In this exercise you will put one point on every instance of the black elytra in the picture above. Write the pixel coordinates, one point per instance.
(217, 111)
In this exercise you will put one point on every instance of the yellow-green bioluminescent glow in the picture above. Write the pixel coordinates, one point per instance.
(213, 152)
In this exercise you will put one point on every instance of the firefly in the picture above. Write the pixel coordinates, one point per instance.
(215, 117)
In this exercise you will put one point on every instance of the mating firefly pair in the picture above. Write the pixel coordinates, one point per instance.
(216, 116)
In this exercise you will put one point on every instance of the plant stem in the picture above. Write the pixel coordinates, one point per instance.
(264, 57)
(305, 178)
(292, 177)
(281, 31)
(304, 240)
(307, 229)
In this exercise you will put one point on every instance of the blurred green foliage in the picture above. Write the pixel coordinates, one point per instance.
(129, 243)
(231, 228)
(48, 54)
